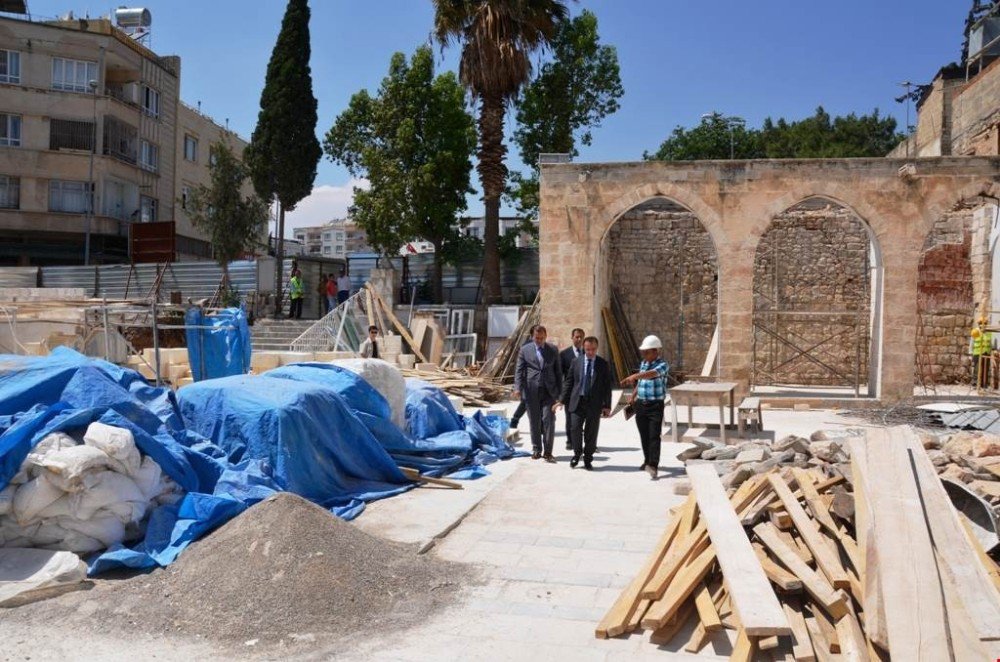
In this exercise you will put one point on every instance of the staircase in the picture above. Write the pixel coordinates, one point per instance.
(277, 335)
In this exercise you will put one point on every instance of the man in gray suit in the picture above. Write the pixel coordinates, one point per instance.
(537, 380)
(586, 393)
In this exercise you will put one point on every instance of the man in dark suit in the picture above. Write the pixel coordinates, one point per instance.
(566, 358)
(586, 393)
(537, 380)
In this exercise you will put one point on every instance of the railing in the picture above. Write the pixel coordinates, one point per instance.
(343, 329)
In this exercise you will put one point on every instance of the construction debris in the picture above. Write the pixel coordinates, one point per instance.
(500, 367)
(621, 341)
(840, 580)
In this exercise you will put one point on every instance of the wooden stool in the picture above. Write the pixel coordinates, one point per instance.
(749, 413)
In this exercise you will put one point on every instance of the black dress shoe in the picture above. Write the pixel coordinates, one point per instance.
(536, 455)
(643, 467)
(587, 465)
(550, 459)
(575, 461)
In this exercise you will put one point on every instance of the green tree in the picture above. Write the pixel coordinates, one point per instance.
(497, 38)
(573, 92)
(413, 142)
(233, 222)
(716, 137)
(284, 151)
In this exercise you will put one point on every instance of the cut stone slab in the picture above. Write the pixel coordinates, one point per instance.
(986, 446)
(721, 453)
(699, 447)
(752, 455)
(737, 477)
(797, 444)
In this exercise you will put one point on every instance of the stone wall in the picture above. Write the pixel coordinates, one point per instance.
(975, 128)
(812, 291)
(663, 266)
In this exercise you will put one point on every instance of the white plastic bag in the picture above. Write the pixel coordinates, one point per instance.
(58, 508)
(76, 542)
(127, 512)
(68, 466)
(7, 499)
(147, 479)
(108, 529)
(384, 378)
(103, 489)
(32, 497)
(117, 443)
(49, 444)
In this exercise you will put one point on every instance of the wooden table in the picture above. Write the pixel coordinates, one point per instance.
(702, 393)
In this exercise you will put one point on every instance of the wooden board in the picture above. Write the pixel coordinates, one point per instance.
(399, 327)
(853, 646)
(681, 587)
(751, 592)
(914, 610)
(707, 613)
(802, 649)
(780, 577)
(815, 583)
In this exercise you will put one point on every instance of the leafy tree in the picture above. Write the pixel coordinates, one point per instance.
(283, 151)
(413, 142)
(497, 38)
(818, 136)
(233, 222)
(571, 95)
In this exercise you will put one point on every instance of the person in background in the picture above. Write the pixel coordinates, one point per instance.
(295, 294)
(537, 379)
(330, 292)
(519, 412)
(586, 392)
(321, 293)
(566, 358)
(650, 393)
(369, 348)
(343, 287)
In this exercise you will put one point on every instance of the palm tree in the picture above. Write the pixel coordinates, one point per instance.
(497, 39)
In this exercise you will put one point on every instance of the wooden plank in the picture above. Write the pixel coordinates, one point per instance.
(699, 638)
(416, 476)
(745, 647)
(828, 629)
(769, 643)
(824, 553)
(914, 610)
(798, 547)
(853, 645)
(782, 520)
(713, 349)
(819, 642)
(872, 606)
(780, 577)
(614, 622)
(751, 592)
(664, 635)
(958, 558)
(815, 584)
(992, 569)
(399, 327)
(707, 613)
(802, 648)
(812, 499)
(680, 589)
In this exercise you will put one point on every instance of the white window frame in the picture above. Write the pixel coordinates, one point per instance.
(10, 192)
(11, 127)
(150, 101)
(193, 142)
(62, 189)
(150, 203)
(12, 60)
(149, 156)
(74, 75)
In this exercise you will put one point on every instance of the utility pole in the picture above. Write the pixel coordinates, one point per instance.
(731, 122)
(90, 179)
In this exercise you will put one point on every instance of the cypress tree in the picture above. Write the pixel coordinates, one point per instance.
(284, 151)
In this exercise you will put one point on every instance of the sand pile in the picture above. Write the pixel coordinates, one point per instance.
(284, 572)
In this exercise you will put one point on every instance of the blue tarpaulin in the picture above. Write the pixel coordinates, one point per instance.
(222, 350)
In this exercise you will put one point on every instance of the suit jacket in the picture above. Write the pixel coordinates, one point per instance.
(600, 388)
(530, 377)
(566, 358)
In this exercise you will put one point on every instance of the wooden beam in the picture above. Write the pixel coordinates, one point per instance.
(802, 649)
(853, 646)
(872, 606)
(745, 647)
(699, 638)
(682, 586)
(815, 584)
(914, 607)
(753, 598)
(780, 577)
(820, 644)
(707, 612)
(665, 634)
(416, 476)
(824, 553)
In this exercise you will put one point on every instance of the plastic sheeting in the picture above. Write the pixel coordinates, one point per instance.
(222, 350)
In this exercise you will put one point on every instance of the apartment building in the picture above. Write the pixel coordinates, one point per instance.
(93, 137)
(328, 240)
(476, 227)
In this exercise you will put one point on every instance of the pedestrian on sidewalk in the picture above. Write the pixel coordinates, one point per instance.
(295, 294)
(566, 358)
(650, 393)
(330, 292)
(369, 348)
(343, 287)
(519, 412)
(537, 380)
(586, 393)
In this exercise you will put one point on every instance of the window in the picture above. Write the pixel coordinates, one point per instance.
(147, 209)
(120, 140)
(150, 101)
(212, 158)
(340, 236)
(339, 249)
(10, 192)
(73, 75)
(149, 156)
(326, 250)
(69, 197)
(326, 236)
(70, 134)
(190, 148)
(185, 195)
(10, 67)
(10, 130)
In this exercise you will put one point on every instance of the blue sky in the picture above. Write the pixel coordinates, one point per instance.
(679, 59)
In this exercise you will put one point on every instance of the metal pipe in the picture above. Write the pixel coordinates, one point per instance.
(156, 345)
(107, 332)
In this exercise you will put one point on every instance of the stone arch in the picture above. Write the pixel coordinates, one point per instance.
(682, 195)
(817, 294)
(663, 262)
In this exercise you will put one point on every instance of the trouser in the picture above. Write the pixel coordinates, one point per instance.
(585, 423)
(331, 302)
(343, 295)
(569, 425)
(982, 365)
(542, 420)
(295, 310)
(518, 413)
(649, 420)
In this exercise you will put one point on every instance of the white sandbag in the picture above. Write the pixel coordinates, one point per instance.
(32, 497)
(58, 508)
(21, 477)
(49, 444)
(108, 529)
(148, 477)
(101, 490)
(169, 492)
(7, 499)
(127, 512)
(117, 443)
(67, 466)
(384, 378)
(76, 542)
(31, 574)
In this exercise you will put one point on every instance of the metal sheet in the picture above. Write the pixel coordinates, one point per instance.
(18, 276)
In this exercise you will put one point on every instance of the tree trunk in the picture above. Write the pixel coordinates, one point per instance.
(279, 257)
(438, 273)
(493, 175)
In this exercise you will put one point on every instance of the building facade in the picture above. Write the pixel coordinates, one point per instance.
(476, 227)
(328, 240)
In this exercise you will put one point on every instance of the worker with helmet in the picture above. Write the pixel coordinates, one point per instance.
(647, 401)
(982, 349)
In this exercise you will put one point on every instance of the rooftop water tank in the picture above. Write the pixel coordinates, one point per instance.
(135, 17)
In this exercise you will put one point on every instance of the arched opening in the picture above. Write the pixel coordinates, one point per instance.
(659, 266)
(817, 303)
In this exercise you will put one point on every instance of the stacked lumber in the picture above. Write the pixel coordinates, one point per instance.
(499, 368)
(474, 391)
(621, 341)
(777, 571)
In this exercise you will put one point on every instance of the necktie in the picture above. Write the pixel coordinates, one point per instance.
(588, 375)
(538, 353)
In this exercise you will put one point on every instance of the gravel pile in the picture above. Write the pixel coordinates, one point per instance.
(285, 572)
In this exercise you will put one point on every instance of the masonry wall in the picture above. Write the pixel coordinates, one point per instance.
(975, 126)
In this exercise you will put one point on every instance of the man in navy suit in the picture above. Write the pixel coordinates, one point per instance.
(586, 393)
(537, 381)
(566, 358)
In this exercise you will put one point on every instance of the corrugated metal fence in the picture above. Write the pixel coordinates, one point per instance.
(194, 280)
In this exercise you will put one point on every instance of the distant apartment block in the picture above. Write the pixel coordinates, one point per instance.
(329, 240)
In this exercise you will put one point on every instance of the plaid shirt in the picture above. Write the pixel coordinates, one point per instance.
(656, 388)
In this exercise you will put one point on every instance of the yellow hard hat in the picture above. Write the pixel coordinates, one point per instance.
(976, 333)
